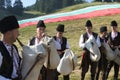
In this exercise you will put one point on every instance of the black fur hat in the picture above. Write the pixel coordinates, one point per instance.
(8, 23)
(114, 23)
(41, 24)
(60, 28)
(103, 29)
(88, 23)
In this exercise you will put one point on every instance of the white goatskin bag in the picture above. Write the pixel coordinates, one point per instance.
(110, 54)
(91, 45)
(67, 63)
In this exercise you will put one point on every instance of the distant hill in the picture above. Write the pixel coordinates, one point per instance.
(31, 14)
(26, 14)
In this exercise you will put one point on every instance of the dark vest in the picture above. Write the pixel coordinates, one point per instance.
(32, 41)
(102, 40)
(7, 63)
(64, 43)
(116, 40)
(85, 36)
(6, 68)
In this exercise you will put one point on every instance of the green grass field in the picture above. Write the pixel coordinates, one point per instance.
(73, 30)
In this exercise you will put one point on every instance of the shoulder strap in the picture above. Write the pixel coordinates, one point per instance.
(2, 48)
(32, 41)
(95, 35)
(18, 52)
(54, 37)
(85, 37)
(4, 69)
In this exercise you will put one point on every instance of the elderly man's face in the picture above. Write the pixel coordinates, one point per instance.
(14, 34)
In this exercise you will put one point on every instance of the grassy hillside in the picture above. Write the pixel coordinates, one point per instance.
(73, 30)
(26, 14)
(32, 14)
(79, 6)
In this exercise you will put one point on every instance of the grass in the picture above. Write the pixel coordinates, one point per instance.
(26, 14)
(73, 30)
(79, 6)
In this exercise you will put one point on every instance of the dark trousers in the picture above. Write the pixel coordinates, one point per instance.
(102, 67)
(65, 77)
(47, 74)
(86, 61)
(116, 69)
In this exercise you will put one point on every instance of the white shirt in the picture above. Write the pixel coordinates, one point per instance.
(82, 44)
(36, 42)
(15, 63)
(114, 34)
(58, 44)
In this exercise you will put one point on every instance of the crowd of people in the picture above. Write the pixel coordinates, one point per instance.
(10, 61)
(103, 64)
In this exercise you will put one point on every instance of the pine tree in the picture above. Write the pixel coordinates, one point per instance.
(2, 4)
(8, 3)
(18, 7)
(66, 3)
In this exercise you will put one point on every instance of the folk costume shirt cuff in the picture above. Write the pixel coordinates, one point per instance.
(3, 78)
(98, 41)
(0, 59)
(67, 45)
(81, 42)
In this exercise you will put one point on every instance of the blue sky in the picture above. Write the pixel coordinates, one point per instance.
(26, 2)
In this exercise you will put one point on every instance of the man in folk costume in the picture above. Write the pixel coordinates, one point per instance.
(45, 74)
(114, 41)
(9, 57)
(86, 61)
(102, 63)
(61, 45)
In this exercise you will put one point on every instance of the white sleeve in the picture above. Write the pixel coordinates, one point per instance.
(81, 42)
(0, 59)
(98, 41)
(28, 43)
(57, 45)
(1, 77)
(67, 45)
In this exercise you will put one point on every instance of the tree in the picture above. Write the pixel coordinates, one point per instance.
(79, 1)
(48, 6)
(67, 3)
(2, 4)
(8, 5)
(58, 4)
(18, 7)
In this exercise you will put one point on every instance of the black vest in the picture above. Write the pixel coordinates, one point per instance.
(85, 36)
(32, 41)
(64, 42)
(7, 63)
(102, 40)
(116, 40)
(6, 68)
(63, 45)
